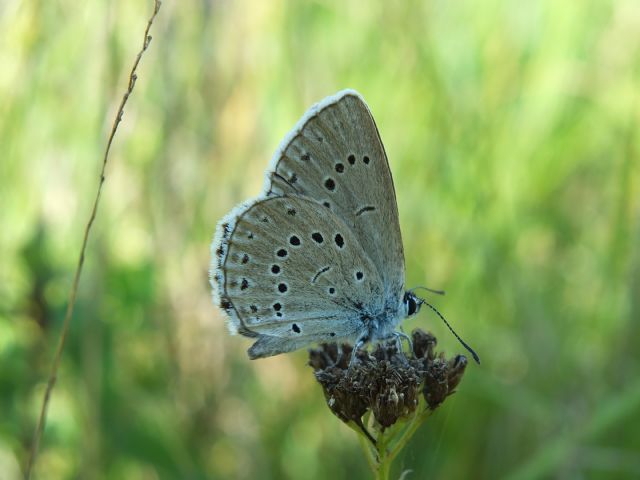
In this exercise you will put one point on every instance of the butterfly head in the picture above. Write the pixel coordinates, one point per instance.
(411, 303)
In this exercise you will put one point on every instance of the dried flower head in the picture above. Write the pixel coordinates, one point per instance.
(385, 381)
(384, 395)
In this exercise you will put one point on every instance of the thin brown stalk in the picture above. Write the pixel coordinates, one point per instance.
(76, 279)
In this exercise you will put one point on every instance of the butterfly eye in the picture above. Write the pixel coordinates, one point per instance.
(412, 306)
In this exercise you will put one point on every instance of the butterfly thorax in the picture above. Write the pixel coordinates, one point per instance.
(383, 325)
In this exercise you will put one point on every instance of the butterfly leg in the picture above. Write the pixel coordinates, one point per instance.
(398, 340)
(401, 334)
(339, 355)
(358, 345)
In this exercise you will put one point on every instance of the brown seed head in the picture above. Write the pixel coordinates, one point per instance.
(385, 381)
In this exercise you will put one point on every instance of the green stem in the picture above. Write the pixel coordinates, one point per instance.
(408, 433)
(381, 456)
(365, 443)
(383, 465)
(368, 452)
(382, 471)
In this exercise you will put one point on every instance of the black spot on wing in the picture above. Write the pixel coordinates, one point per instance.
(294, 240)
(330, 184)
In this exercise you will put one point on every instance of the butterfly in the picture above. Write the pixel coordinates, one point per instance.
(318, 256)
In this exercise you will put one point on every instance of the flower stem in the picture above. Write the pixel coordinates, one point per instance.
(381, 455)
(408, 433)
(382, 470)
(383, 464)
(368, 451)
(365, 443)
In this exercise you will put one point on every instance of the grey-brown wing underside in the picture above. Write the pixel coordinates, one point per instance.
(336, 157)
(289, 273)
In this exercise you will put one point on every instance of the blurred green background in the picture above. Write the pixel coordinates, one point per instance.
(512, 133)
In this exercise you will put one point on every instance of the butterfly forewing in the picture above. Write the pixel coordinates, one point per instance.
(319, 256)
(291, 272)
(335, 156)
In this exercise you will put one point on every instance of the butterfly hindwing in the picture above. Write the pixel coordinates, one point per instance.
(290, 272)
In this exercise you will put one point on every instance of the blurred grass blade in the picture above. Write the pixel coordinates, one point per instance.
(76, 279)
(549, 458)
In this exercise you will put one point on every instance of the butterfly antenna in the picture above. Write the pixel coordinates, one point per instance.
(437, 292)
(471, 351)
